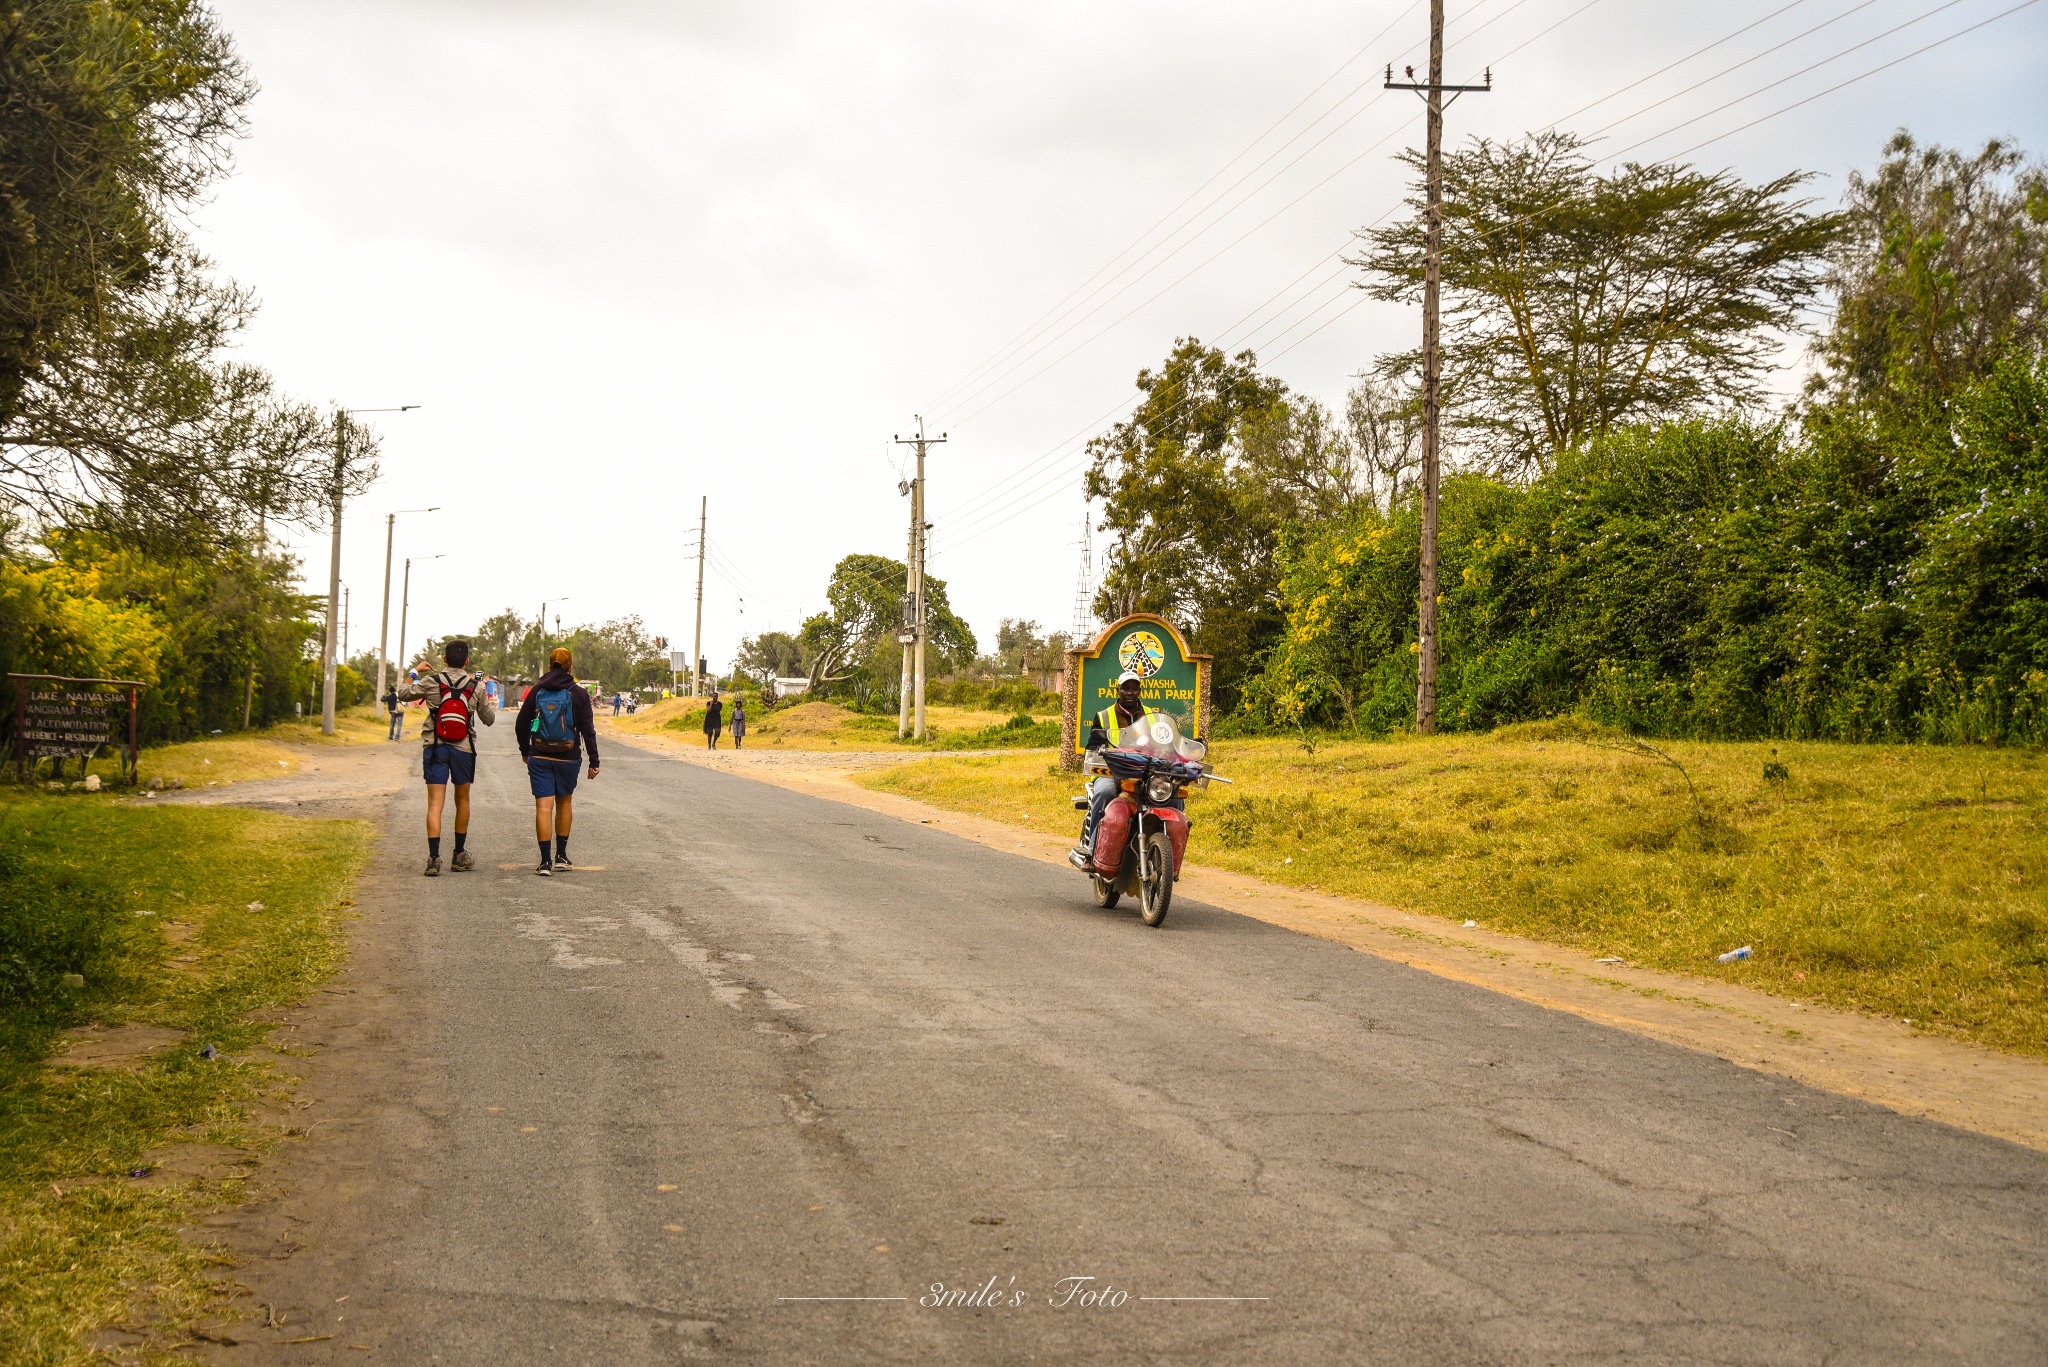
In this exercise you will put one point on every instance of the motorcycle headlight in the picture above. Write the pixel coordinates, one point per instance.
(1160, 788)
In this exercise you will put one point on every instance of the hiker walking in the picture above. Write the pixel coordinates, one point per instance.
(739, 721)
(391, 704)
(555, 721)
(455, 703)
(714, 719)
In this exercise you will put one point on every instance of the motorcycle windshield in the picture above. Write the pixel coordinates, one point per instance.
(1157, 735)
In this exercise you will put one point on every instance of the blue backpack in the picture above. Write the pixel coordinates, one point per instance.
(554, 723)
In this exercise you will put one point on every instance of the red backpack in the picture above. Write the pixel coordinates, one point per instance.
(451, 718)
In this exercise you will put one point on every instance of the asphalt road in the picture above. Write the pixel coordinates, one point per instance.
(871, 1059)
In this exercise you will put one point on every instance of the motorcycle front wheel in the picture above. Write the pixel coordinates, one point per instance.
(1106, 894)
(1155, 894)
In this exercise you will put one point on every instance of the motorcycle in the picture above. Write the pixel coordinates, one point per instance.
(1143, 834)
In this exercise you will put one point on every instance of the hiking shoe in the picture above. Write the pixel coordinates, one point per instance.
(564, 863)
(463, 861)
(434, 866)
(546, 869)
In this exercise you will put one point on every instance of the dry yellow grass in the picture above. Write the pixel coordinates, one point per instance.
(1908, 881)
(812, 725)
(269, 753)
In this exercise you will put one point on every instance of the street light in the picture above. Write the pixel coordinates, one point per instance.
(384, 623)
(405, 596)
(334, 563)
(544, 630)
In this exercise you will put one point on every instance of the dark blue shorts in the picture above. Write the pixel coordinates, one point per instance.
(449, 764)
(552, 777)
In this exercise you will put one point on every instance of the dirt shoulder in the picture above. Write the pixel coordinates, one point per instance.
(1871, 1058)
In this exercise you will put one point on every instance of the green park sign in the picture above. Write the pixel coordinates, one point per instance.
(1174, 679)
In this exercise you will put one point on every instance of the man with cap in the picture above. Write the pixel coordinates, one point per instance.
(1114, 728)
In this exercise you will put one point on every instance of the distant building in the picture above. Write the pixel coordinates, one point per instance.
(789, 688)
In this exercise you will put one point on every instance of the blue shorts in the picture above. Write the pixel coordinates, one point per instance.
(552, 777)
(449, 764)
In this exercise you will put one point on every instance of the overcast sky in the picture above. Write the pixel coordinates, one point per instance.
(627, 255)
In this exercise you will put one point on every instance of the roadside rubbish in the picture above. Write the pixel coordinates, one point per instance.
(1732, 955)
(1471, 924)
(140, 1172)
(209, 1052)
(255, 906)
(1615, 960)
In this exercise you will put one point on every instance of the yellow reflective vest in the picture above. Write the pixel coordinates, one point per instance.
(1106, 719)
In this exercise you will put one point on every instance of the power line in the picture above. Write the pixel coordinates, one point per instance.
(1227, 247)
(1024, 500)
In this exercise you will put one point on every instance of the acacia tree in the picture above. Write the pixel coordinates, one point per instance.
(1575, 302)
(855, 642)
(116, 405)
(1944, 267)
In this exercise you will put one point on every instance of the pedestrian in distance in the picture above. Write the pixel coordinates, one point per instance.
(391, 705)
(555, 723)
(714, 719)
(739, 721)
(455, 703)
(618, 702)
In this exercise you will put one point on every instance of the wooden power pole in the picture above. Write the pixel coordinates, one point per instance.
(1433, 91)
(919, 540)
(697, 640)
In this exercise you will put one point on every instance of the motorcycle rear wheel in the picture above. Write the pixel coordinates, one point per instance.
(1155, 894)
(1106, 894)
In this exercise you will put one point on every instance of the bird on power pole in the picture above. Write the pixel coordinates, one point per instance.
(1433, 91)
(920, 541)
(697, 641)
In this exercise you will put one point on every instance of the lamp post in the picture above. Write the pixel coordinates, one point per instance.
(334, 562)
(384, 623)
(405, 597)
(544, 631)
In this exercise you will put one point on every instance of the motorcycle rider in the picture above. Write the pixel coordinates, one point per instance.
(1113, 727)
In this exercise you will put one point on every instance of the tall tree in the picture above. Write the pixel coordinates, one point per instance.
(855, 642)
(1576, 302)
(1944, 267)
(117, 405)
(1199, 485)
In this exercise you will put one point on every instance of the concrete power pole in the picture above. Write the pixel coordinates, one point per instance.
(905, 633)
(919, 541)
(333, 581)
(1433, 92)
(697, 640)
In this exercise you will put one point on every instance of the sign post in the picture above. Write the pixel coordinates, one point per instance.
(69, 718)
(1175, 679)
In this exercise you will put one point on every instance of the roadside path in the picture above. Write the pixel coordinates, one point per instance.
(765, 1045)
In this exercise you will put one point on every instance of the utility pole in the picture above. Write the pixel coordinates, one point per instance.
(1433, 92)
(384, 622)
(905, 633)
(405, 598)
(697, 640)
(920, 541)
(345, 595)
(333, 580)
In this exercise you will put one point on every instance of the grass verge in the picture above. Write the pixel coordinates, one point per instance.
(271, 752)
(829, 726)
(1906, 881)
(191, 920)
